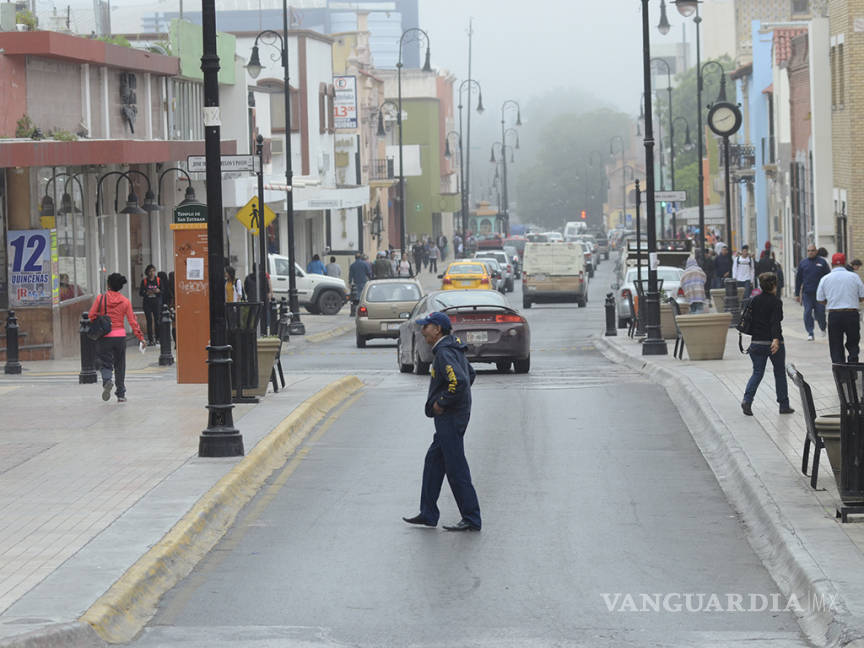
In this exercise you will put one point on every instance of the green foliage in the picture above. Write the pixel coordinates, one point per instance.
(24, 127)
(120, 41)
(62, 135)
(684, 104)
(26, 17)
(562, 182)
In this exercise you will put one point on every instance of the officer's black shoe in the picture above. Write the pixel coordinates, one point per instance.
(419, 520)
(462, 525)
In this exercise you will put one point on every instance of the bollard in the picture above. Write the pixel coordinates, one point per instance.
(165, 356)
(13, 366)
(283, 321)
(611, 315)
(274, 317)
(87, 375)
(730, 302)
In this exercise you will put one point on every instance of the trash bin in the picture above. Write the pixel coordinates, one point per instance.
(849, 379)
(243, 318)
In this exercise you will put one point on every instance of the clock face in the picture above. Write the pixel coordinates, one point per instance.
(724, 119)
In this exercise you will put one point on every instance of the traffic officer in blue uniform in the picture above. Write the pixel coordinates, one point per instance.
(449, 404)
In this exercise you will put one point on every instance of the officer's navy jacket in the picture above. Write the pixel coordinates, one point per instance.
(451, 377)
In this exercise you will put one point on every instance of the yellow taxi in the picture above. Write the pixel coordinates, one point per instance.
(461, 275)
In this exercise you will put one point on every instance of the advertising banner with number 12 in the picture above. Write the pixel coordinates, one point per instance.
(32, 271)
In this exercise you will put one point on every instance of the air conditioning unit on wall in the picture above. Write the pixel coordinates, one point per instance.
(277, 146)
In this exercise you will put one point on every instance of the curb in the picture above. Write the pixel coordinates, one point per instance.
(770, 534)
(332, 333)
(58, 635)
(120, 614)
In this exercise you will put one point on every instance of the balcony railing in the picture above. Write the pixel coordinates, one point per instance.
(743, 156)
(381, 170)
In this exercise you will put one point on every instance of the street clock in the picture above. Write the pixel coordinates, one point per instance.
(724, 118)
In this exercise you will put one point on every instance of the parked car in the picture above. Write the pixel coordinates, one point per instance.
(504, 262)
(589, 257)
(554, 272)
(513, 255)
(319, 294)
(495, 271)
(595, 248)
(494, 331)
(670, 276)
(384, 305)
(465, 274)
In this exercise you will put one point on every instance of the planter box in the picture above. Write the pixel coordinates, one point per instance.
(268, 347)
(667, 320)
(718, 297)
(705, 335)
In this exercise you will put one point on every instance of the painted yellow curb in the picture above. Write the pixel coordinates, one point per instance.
(120, 614)
(326, 335)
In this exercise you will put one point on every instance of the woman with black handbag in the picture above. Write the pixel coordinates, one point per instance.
(766, 315)
(111, 346)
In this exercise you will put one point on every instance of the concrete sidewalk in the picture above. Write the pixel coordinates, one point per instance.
(757, 462)
(72, 465)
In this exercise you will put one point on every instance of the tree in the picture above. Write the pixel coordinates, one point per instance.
(566, 178)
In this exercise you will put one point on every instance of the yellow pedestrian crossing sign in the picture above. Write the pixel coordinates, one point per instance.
(246, 215)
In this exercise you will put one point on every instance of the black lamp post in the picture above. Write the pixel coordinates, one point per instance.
(654, 344)
(510, 104)
(688, 8)
(190, 192)
(254, 67)
(665, 63)
(220, 438)
(465, 194)
(688, 145)
(132, 207)
(427, 67)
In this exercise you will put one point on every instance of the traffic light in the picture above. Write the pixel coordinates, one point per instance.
(584, 214)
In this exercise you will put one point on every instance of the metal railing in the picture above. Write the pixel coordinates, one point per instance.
(381, 170)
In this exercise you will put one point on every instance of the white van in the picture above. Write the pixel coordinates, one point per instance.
(554, 272)
(574, 229)
(319, 294)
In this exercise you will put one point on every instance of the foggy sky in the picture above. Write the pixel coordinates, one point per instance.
(523, 48)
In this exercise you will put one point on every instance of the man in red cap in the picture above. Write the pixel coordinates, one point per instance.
(842, 291)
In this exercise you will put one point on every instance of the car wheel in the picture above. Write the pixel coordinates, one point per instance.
(522, 366)
(330, 302)
(503, 367)
(313, 309)
(510, 287)
(403, 368)
(526, 303)
(420, 368)
(361, 341)
(583, 303)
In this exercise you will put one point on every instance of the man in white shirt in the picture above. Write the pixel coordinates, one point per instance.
(842, 291)
(744, 270)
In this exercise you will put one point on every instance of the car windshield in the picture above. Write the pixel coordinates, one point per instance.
(465, 268)
(490, 263)
(393, 292)
(666, 274)
(454, 298)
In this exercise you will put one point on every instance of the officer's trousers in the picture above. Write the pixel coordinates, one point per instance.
(446, 456)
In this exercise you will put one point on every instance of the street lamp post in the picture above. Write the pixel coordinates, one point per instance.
(261, 275)
(721, 97)
(427, 67)
(465, 198)
(654, 344)
(509, 104)
(295, 326)
(688, 8)
(687, 145)
(221, 438)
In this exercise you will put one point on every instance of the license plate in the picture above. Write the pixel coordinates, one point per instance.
(393, 327)
(466, 283)
(540, 277)
(476, 337)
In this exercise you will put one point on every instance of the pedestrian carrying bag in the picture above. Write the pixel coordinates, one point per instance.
(101, 326)
(745, 323)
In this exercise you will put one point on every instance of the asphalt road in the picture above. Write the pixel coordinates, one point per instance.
(589, 484)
